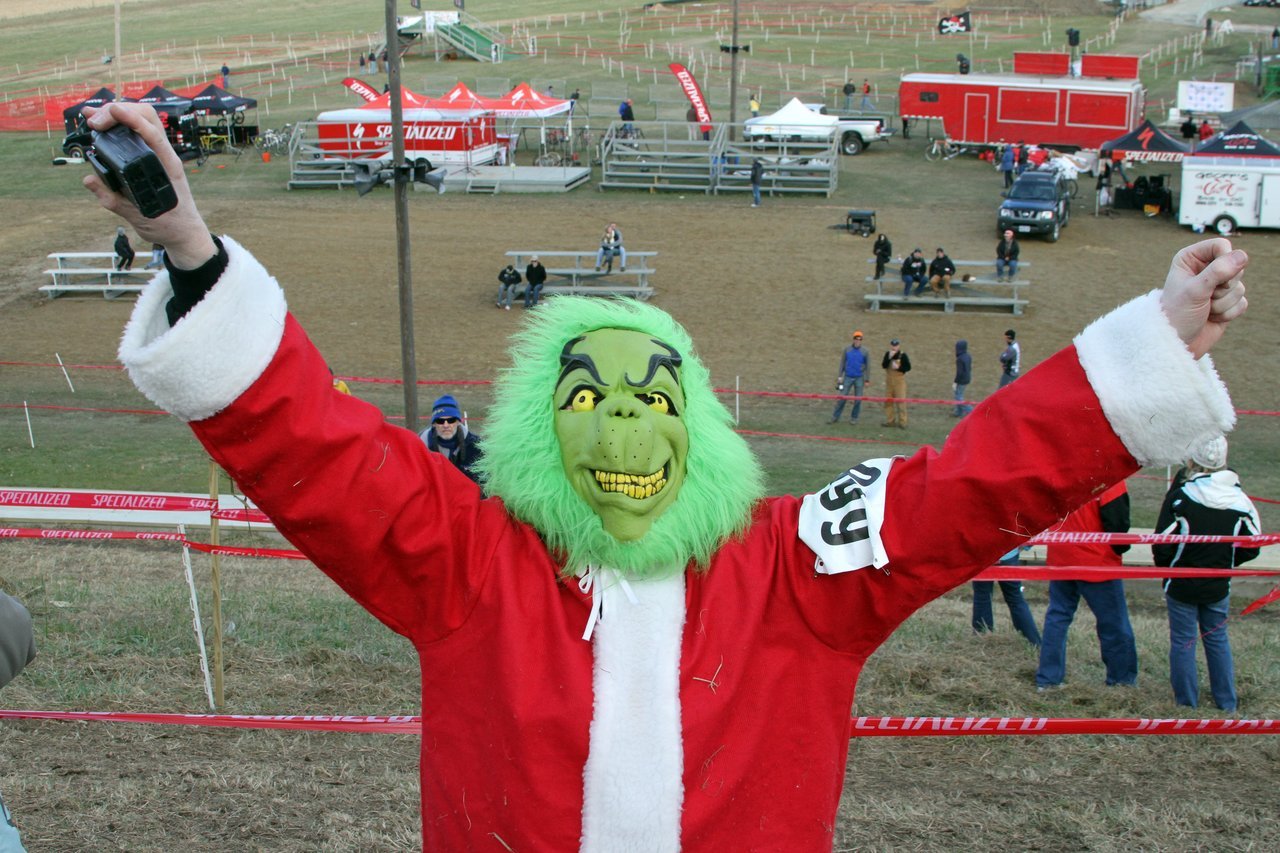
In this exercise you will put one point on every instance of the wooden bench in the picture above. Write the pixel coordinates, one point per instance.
(92, 272)
(575, 273)
(979, 292)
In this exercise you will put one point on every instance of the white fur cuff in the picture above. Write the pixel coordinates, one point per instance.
(1160, 400)
(216, 351)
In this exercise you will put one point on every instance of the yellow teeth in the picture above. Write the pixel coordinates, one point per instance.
(632, 485)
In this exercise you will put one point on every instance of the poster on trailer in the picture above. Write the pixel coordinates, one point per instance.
(462, 137)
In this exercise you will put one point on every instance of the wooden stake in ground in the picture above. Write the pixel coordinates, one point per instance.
(216, 580)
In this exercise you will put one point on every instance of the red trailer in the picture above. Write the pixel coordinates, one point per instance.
(1047, 107)
(463, 137)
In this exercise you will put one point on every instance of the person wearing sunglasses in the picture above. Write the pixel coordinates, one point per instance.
(449, 436)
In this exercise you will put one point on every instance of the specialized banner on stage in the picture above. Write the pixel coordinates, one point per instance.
(691, 91)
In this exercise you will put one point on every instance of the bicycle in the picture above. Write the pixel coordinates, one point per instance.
(943, 149)
(274, 141)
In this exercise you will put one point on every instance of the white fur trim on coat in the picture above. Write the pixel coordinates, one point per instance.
(632, 782)
(1161, 401)
(210, 356)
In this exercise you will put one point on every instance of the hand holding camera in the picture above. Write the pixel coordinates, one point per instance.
(152, 195)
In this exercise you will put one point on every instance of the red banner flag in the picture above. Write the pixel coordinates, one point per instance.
(361, 88)
(694, 94)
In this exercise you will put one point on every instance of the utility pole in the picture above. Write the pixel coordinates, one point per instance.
(116, 59)
(408, 363)
(733, 77)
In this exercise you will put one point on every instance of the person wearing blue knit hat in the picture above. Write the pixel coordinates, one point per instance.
(448, 435)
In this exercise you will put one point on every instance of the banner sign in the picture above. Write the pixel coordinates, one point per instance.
(691, 91)
(859, 726)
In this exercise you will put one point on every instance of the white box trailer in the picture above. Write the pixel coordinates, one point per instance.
(1230, 193)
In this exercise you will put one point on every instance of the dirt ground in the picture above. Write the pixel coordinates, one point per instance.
(770, 294)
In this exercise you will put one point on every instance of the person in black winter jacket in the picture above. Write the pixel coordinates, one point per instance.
(964, 375)
(448, 435)
(124, 251)
(941, 268)
(535, 276)
(1210, 501)
(508, 278)
(883, 250)
(913, 270)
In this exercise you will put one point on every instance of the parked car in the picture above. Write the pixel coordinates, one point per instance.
(1039, 202)
(183, 132)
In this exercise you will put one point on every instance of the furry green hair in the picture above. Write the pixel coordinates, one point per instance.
(522, 463)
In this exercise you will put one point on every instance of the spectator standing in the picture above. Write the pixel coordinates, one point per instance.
(883, 250)
(906, 127)
(610, 245)
(1007, 157)
(1010, 358)
(508, 279)
(226, 76)
(573, 100)
(1019, 613)
(386, 65)
(1206, 131)
(849, 90)
(691, 116)
(1275, 38)
(755, 106)
(373, 62)
(867, 104)
(757, 177)
(1189, 131)
(941, 268)
(362, 62)
(853, 375)
(1108, 513)
(896, 366)
(913, 271)
(1023, 156)
(157, 257)
(1007, 251)
(448, 435)
(627, 114)
(964, 375)
(124, 252)
(535, 276)
(1211, 502)
(17, 649)
(1104, 189)
(1208, 27)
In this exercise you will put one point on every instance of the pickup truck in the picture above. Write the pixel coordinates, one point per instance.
(854, 132)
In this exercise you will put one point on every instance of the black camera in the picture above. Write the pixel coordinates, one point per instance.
(129, 167)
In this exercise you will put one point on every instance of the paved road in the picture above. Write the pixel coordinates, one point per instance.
(1189, 12)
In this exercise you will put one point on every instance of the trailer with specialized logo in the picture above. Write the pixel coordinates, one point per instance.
(444, 137)
(1045, 101)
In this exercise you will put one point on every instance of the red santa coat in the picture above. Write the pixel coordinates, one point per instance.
(766, 646)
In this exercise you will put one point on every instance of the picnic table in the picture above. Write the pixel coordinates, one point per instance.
(92, 272)
(981, 292)
(575, 273)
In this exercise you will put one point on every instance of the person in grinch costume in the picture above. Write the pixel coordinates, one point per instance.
(628, 646)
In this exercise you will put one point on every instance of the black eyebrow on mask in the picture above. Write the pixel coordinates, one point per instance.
(671, 361)
(570, 361)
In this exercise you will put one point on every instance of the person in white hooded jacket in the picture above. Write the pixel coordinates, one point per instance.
(1210, 501)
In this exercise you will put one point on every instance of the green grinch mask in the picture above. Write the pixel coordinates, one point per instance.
(606, 437)
(622, 441)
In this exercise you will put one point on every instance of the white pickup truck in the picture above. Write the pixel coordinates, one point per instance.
(854, 132)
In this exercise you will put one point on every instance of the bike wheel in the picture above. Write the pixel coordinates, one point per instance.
(1073, 186)
(933, 151)
(551, 158)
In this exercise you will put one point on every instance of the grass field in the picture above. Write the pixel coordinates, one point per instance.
(770, 296)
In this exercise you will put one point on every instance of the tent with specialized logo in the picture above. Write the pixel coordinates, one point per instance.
(1239, 141)
(165, 101)
(1145, 144)
(99, 98)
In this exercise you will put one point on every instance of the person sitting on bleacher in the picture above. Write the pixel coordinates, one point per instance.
(941, 268)
(610, 245)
